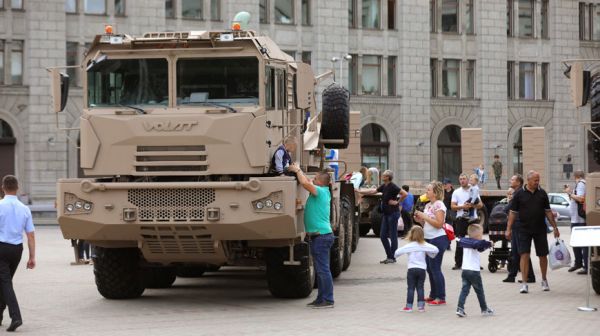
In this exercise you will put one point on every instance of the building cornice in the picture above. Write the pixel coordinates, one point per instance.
(378, 100)
(455, 102)
(531, 103)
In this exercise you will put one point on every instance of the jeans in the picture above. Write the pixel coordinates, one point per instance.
(498, 182)
(581, 253)
(434, 268)
(389, 232)
(472, 278)
(83, 246)
(515, 263)
(415, 278)
(460, 230)
(319, 248)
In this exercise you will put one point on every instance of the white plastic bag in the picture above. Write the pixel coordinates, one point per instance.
(559, 255)
(400, 224)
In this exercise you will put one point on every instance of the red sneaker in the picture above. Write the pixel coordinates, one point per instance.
(437, 303)
(428, 299)
(407, 310)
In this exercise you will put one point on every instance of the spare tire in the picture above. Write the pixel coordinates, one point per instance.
(336, 116)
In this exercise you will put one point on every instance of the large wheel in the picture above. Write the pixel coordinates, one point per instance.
(190, 271)
(118, 273)
(159, 277)
(355, 233)
(290, 281)
(336, 116)
(346, 220)
(376, 217)
(482, 214)
(595, 273)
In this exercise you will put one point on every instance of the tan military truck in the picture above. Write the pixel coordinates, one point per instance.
(178, 130)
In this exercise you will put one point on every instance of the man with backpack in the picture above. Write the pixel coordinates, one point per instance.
(577, 196)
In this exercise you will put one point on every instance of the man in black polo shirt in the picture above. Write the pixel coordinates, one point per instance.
(532, 207)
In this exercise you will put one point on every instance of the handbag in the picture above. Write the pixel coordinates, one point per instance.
(449, 231)
(580, 206)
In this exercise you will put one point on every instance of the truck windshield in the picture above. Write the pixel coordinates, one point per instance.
(218, 80)
(116, 82)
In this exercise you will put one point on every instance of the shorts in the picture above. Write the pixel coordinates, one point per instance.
(540, 241)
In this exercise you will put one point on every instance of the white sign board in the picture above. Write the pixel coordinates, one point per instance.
(582, 236)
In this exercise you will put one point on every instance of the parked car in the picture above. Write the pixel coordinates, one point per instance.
(559, 202)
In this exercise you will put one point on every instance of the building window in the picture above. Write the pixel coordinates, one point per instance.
(449, 153)
(582, 34)
(70, 6)
(16, 4)
(595, 22)
(450, 78)
(527, 80)
(509, 17)
(1, 62)
(432, 16)
(469, 18)
(352, 14)
(119, 7)
(391, 14)
(170, 8)
(525, 18)
(433, 66)
(263, 8)
(450, 16)
(470, 76)
(72, 60)
(284, 11)
(192, 9)
(544, 19)
(307, 57)
(371, 75)
(518, 153)
(306, 12)
(353, 75)
(16, 63)
(374, 145)
(391, 75)
(545, 84)
(510, 81)
(370, 14)
(94, 7)
(291, 53)
(215, 10)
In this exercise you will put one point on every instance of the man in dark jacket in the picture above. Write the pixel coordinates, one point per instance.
(281, 158)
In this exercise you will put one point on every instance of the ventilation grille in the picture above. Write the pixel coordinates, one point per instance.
(171, 205)
(177, 240)
(171, 159)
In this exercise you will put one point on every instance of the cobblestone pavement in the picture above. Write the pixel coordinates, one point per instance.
(59, 299)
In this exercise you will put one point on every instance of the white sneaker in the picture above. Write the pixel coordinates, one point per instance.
(545, 286)
(524, 289)
(488, 312)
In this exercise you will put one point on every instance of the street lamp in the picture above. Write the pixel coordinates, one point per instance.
(346, 58)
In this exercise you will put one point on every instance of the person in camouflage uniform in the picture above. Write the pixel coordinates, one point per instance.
(497, 167)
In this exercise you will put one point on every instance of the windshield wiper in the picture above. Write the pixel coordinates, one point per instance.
(228, 108)
(138, 109)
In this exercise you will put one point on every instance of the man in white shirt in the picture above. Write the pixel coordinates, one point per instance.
(577, 195)
(459, 204)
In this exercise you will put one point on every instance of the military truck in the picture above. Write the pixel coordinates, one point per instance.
(177, 133)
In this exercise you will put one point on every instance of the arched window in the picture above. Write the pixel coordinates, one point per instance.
(374, 145)
(449, 155)
(7, 149)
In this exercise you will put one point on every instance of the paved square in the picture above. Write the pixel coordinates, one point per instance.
(59, 299)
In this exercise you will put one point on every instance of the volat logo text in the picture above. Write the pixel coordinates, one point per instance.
(169, 126)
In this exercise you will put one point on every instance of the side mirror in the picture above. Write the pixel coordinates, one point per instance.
(60, 90)
(304, 86)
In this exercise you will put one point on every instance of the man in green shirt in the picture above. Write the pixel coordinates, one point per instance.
(317, 225)
(497, 166)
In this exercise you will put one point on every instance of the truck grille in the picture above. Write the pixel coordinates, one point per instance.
(171, 205)
(185, 239)
(155, 160)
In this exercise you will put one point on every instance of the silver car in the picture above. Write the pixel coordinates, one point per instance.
(559, 202)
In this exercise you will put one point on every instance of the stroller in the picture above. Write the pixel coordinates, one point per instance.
(499, 255)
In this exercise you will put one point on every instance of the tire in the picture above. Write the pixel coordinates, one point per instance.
(376, 222)
(493, 265)
(346, 217)
(355, 234)
(190, 271)
(336, 257)
(364, 229)
(159, 277)
(291, 282)
(595, 273)
(482, 214)
(336, 116)
(118, 273)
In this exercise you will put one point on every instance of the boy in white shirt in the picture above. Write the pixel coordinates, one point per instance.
(471, 275)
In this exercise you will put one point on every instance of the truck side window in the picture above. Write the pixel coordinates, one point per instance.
(282, 87)
(270, 88)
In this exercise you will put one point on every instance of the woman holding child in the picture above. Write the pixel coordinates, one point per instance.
(432, 218)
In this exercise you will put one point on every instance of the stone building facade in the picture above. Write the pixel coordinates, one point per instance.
(420, 71)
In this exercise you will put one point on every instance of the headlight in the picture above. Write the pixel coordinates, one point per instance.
(87, 207)
(277, 206)
(78, 205)
(69, 207)
(271, 203)
(259, 205)
(268, 203)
